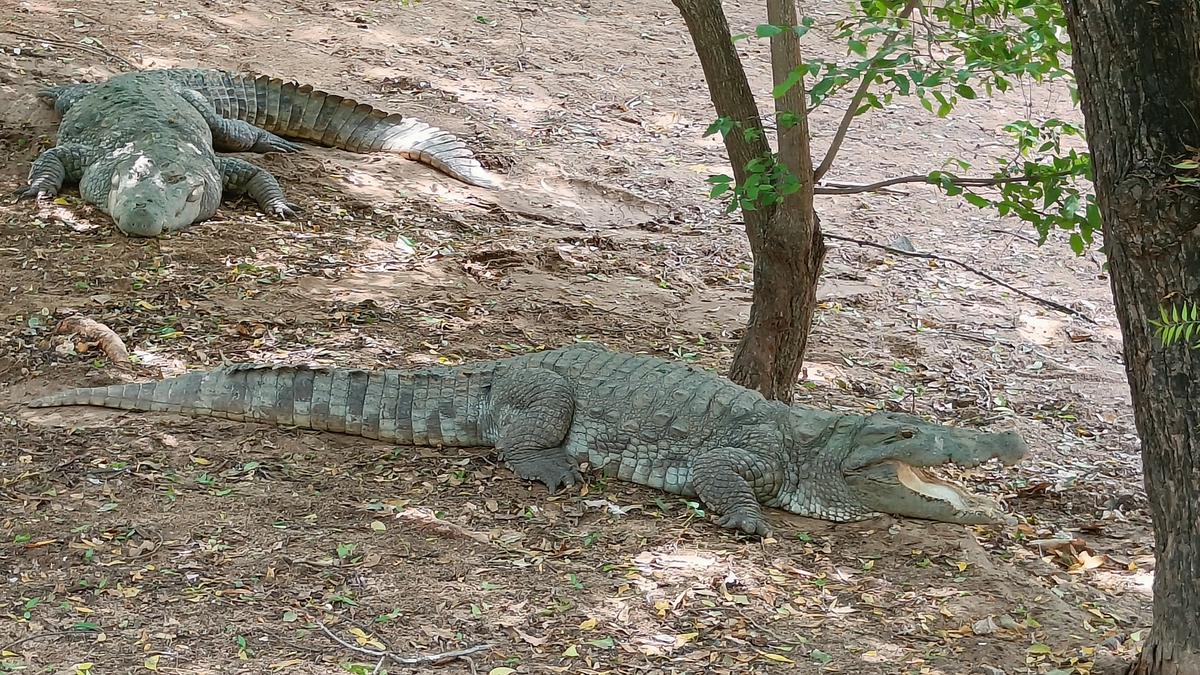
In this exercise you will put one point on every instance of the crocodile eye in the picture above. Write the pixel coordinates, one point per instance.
(194, 195)
(907, 433)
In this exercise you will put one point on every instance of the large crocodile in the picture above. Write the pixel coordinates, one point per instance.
(658, 423)
(143, 145)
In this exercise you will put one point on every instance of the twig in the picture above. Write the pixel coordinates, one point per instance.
(418, 660)
(867, 78)
(851, 189)
(933, 256)
(38, 636)
(99, 51)
(1018, 235)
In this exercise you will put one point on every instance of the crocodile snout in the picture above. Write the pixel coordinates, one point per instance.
(138, 221)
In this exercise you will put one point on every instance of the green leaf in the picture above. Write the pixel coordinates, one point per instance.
(795, 77)
(965, 91)
(1077, 244)
(766, 30)
(1039, 648)
(723, 125)
(603, 643)
(976, 200)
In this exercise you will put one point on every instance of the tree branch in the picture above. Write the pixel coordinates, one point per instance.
(795, 148)
(932, 256)
(728, 87)
(851, 189)
(863, 86)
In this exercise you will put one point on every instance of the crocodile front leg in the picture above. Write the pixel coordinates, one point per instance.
(65, 95)
(734, 482)
(532, 411)
(236, 135)
(55, 166)
(241, 176)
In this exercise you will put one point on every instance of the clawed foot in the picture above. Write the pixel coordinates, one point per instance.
(748, 522)
(281, 210)
(269, 142)
(554, 472)
(34, 192)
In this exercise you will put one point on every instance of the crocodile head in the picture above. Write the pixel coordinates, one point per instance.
(885, 468)
(158, 191)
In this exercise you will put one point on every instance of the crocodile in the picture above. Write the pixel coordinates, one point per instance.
(663, 424)
(142, 145)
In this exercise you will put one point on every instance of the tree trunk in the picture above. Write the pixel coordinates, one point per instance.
(788, 252)
(1138, 67)
(785, 237)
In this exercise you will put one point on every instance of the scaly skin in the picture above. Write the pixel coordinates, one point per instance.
(661, 424)
(143, 145)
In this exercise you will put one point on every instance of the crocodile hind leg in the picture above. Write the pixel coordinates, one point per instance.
(241, 176)
(733, 483)
(236, 135)
(55, 166)
(531, 415)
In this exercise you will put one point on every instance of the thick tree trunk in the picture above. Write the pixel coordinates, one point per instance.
(788, 252)
(1138, 66)
(785, 238)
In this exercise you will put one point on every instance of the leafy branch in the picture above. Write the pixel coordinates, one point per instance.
(1178, 323)
(942, 55)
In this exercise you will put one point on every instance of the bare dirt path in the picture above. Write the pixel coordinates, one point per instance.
(202, 545)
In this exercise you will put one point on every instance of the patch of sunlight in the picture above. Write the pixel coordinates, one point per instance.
(1042, 330)
(884, 652)
(824, 373)
(433, 182)
(67, 216)
(1139, 581)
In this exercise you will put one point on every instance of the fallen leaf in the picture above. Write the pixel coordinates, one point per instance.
(783, 659)
(1087, 561)
(366, 640)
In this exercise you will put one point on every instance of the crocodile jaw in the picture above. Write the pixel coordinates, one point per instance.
(905, 490)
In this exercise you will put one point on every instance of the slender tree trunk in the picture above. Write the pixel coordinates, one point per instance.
(1138, 67)
(785, 238)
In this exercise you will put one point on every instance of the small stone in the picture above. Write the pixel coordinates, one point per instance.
(902, 243)
(1007, 621)
(984, 626)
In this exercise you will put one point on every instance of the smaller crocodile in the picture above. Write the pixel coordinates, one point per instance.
(657, 423)
(143, 145)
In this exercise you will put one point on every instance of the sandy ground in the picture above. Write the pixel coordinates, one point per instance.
(189, 545)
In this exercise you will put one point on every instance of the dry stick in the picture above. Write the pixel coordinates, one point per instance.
(419, 660)
(99, 51)
(867, 78)
(851, 189)
(38, 636)
(933, 256)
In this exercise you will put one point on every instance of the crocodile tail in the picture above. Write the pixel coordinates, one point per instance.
(435, 407)
(294, 110)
